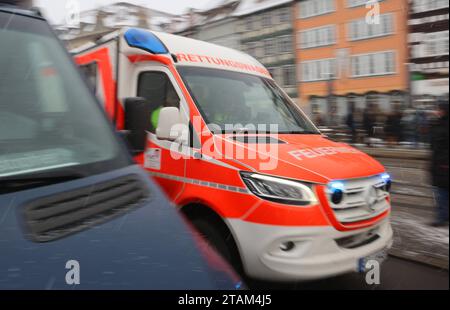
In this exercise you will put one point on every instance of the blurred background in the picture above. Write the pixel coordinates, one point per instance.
(370, 73)
(337, 65)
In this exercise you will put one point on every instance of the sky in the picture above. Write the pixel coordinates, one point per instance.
(55, 10)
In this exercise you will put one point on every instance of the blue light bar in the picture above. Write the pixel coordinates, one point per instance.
(145, 40)
(385, 177)
(336, 186)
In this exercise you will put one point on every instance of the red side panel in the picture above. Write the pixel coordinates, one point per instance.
(104, 62)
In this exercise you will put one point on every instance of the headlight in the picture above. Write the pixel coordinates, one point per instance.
(279, 190)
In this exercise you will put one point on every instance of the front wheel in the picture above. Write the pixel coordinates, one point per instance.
(221, 240)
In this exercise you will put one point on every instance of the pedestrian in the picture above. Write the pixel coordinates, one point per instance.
(423, 125)
(333, 117)
(409, 127)
(350, 120)
(393, 128)
(439, 163)
(358, 121)
(369, 120)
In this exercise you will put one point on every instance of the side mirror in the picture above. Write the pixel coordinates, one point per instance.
(137, 122)
(169, 124)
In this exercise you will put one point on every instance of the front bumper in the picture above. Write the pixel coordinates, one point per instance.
(318, 253)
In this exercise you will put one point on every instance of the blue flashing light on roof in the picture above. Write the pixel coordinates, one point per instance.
(145, 40)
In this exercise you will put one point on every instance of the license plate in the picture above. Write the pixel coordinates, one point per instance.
(379, 256)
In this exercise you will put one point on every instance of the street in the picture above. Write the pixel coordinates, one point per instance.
(396, 274)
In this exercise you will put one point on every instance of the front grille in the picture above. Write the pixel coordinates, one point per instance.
(59, 215)
(355, 205)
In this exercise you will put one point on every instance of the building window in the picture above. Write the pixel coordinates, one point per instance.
(249, 23)
(372, 65)
(284, 15)
(389, 62)
(269, 47)
(355, 3)
(289, 78)
(318, 70)
(381, 63)
(252, 49)
(429, 5)
(311, 8)
(360, 29)
(158, 90)
(436, 43)
(316, 37)
(267, 19)
(285, 44)
(356, 66)
(387, 22)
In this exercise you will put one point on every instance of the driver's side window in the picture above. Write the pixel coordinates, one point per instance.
(157, 88)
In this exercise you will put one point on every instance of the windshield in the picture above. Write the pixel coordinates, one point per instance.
(238, 100)
(48, 118)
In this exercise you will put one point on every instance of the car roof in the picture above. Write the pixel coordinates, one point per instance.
(12, 9)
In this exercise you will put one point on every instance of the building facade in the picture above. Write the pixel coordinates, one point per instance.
(221, 32)
(266, 32)
(214, 24)
(429, 48)
(261, 28)
(106, 19)
(347, 50)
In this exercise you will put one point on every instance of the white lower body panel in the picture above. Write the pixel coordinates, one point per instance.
(316, 253)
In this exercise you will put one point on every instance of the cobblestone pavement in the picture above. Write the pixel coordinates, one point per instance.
(413, 210)
(414, 239)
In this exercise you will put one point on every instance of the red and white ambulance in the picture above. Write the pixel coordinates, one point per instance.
(240, 159)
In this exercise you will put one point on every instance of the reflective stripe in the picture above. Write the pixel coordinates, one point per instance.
(225, 187)
(165, 144)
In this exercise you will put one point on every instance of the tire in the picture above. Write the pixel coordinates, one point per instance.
(221, 240)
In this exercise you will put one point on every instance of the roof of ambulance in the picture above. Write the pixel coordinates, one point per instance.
(191, 52)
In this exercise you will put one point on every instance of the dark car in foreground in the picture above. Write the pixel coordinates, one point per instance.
(75, 210)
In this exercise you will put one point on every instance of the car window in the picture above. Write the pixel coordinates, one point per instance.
(157, 88)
